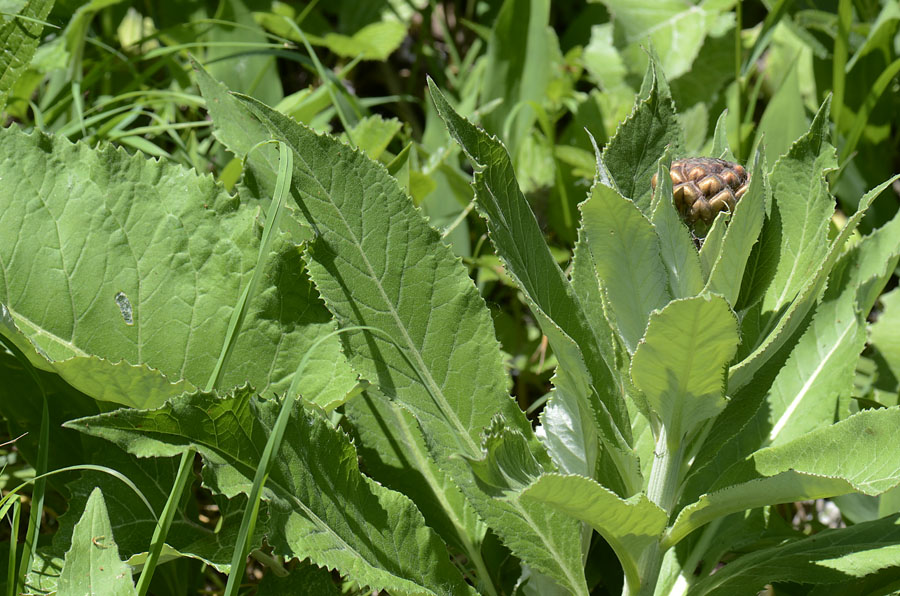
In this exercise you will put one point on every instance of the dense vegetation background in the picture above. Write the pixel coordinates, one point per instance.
(539, 75)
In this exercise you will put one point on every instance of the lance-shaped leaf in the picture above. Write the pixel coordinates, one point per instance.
(794, 316)
(831, 557)
(583, 375)
(680, 363)
(629, 526)
(675, 243)
(860, 453)
(92, 565)
(631, 156)
(110, 257)
(818, 376)
(626, 254)
(800, 191)
(322, 506)
(377, 263)
(744, 226)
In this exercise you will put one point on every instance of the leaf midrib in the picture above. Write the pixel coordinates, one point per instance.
(424, 371)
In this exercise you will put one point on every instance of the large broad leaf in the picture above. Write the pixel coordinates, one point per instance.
(831, 557)
(586, 389)
(626, 254)
(92, 565)
(676, 28)
(633, 153)
(857, 454)
(518, 67)
(629, 526)
(322, 507)
(377, 263)
(19, 38)
(680, 363)
(117, 265)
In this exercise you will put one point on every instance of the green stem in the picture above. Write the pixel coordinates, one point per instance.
(662, 489)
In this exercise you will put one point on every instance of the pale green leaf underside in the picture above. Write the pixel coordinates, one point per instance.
(322, 506)
(680, 363)
(92, 565)
(629, 526)
(744, 226)
(116, 257)
(860, 453)
(743, 372)
(801, 194)
(676, 245)
(626, 255)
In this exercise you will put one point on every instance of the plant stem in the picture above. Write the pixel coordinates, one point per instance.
(662, 490)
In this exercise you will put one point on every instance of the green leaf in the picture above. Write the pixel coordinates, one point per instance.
(676, 29)
(518, 67)
(791, 322)
(92, 565)
(394, 453)
(133, 523)
(829, 557)
(377, 263)
(817, 379)
(885, 332)
(322, 507)
(784, 119)
(801, 192)
(720, 148)
(744, 227)
(676, 245)
(375, 41)
(633, 153)
(19, 38)
(626, 254)
(680, 363)
(584, 379)
(150, 259)
(629, 526)
(304, 580)
(856, 454)
(251, 72)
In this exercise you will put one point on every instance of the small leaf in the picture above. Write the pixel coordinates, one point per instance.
(680, 363)
(633, 153)
(92, 564)
(744, 226)
(676, 245)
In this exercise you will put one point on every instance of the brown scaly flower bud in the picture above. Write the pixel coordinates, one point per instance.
(703, 187)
